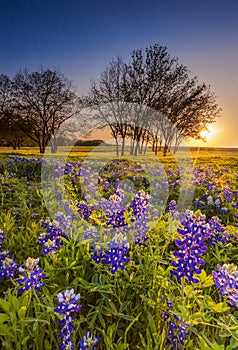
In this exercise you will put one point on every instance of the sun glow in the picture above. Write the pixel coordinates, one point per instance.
(209, 133)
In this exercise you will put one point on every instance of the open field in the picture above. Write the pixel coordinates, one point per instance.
(140, 251)
(82, 151)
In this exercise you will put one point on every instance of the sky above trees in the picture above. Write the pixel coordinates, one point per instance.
(80, 38)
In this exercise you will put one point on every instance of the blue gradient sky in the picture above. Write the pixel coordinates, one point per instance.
(81, 37)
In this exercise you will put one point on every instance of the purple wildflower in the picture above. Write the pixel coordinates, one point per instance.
(2, 237)
(85, 211)
(191, 247)
(8, 266)
(88, 342)
(31, 276)
(51, 240)
(226, 281)
(177, 328)
(217, 232)
(67, 305)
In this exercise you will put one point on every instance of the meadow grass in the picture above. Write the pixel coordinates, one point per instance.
(126, 309)
(198, 154)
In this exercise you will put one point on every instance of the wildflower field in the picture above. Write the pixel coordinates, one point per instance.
(112, 255)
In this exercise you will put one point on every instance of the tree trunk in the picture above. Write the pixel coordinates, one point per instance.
(41, 146)
(145, 148)
(14, 144)
(136, 148)
(123, 147)
(156, 145)
(117, 148)
(19, 144)
(165, 150)
(54, 145)
(160, 145)
(132, 147)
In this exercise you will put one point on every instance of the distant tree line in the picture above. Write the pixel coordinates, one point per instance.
(150, 101)
(87, 143)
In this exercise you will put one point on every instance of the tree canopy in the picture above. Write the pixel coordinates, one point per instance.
(159, 82)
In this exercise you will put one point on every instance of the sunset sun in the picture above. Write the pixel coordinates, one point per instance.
(209, 133)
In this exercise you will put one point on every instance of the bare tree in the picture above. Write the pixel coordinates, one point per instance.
(43, 101)
(157, 81)
(9, 126)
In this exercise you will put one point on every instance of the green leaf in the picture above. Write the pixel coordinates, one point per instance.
(124, 306)
(24, 341)
(208, 282)
(203, 276)
(203, 345)
(126, 317)
(220, 307)
(103, 324)
(151, 324)
(112, 306)
(4, 318)
(233, 343)
(5, 330)
(15, 303)
(5, 305)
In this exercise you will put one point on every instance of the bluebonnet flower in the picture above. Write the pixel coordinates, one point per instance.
(235, 205)
(68, 208)
(140, 215)
(67, 306)
(205, 196)
(88, 342)
(211, 186)
(172, 206)
(92, 233)
(224, 210)
(64, 222)
(228, 195)
(116, 257)
(16, 215)
(199, 203)
(115, 208)
(35, 216)
(68, 302)
(98, 254)
(32, 276)
(85, 211)
(106, 186)
(173, 209)
(140, 204)
(217, 232)
(226, 281)
(210, 200)
(191, 246)
(51, 239)
(218, 202)
(2, 237)
(8, 266)
(177, 328)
